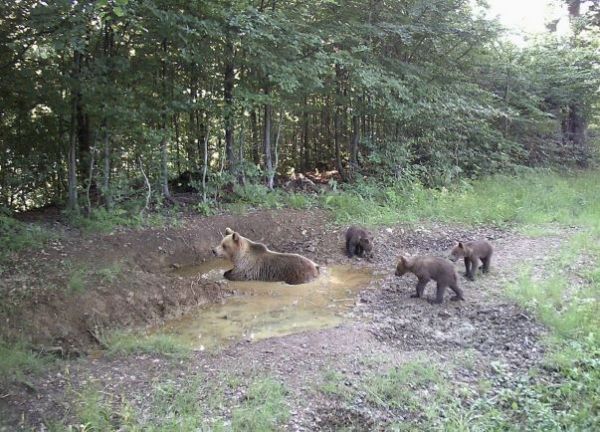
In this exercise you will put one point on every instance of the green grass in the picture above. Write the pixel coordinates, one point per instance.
(534, 198)
(189, 406)
(17, 360)
(104, 221)
(416, 391)
(177, 408)
(76, 283)
(16, 236)
(564, 295)
(126, 343)
(264, 408)
(110, 273)
(566, 300)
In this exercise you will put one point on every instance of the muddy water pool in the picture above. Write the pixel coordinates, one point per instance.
(261, 310)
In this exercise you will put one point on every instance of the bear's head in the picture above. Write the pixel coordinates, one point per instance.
(458, 251)
(402, 267)
(230, 246)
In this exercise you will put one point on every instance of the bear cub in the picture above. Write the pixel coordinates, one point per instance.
(473, 252)
(254, 261)
(359, 243)
(426, 268)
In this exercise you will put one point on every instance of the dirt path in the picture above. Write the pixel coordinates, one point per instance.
(386, 328)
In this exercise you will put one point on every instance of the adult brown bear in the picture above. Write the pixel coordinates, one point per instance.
(254, 261)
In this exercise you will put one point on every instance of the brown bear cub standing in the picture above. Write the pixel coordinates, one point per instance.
(358, 242)
(473, 252)
(254, 261)
(426, 268)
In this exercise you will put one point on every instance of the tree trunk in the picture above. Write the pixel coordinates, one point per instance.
(267, 143)
(205, 165)
(72, 204)
(576, 121)
(336, 122)
(83, 120)
(106, 193)
(229, 80)
(177, 153)
(276, 150)
(305, 138)
(164, 151)
(355, 140)
(255, 137)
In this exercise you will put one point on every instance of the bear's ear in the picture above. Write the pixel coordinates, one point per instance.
(402, 259)
(228, 231)
(460, 245)
(236, 237)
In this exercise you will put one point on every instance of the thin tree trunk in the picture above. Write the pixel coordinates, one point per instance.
(205, 166)
(241, 162)
(355, 140)
(305, 138)
(177, 152)
(148, 186)
(255, 137)
(90, 176)
(106, 192)
(72, 203)
(267, 143)
(229, 81)
(276, 150)
(164, 151)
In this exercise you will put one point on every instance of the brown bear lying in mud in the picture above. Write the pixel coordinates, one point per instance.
(426, 268)
(359, 243)
(473, 252)
(254, 261)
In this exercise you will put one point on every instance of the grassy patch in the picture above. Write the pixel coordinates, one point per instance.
(177, 408)
(16, 236)
(566, 300)
(18, 360)
(535, 198)
(264, 408)
(416, 392)
(111, 273)
(127, 343)
(104, 221)
(76, 283)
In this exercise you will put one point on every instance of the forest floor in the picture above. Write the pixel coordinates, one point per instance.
(394, 363)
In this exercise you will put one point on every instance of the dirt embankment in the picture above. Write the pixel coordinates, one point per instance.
(63, 296)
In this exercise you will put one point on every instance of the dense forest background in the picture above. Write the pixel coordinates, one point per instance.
(108, 101)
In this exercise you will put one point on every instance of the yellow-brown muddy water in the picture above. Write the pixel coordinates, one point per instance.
(260, 310)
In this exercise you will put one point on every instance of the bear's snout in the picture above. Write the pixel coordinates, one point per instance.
(214, 251)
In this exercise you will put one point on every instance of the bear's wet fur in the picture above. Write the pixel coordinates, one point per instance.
(254, 261)
(427, 268)
(358, 242)
(473, 252)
